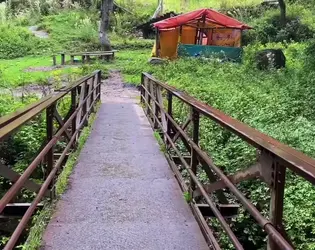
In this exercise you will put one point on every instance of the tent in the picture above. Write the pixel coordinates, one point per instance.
(201, 32)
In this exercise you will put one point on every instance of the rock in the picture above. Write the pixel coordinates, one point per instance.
(270, 3)
(156, 60)
(270, 58)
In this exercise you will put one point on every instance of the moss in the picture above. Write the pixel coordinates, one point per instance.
(41, 220)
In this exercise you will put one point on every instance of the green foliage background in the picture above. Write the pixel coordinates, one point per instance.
(279, 103)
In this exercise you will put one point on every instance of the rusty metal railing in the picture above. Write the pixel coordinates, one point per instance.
(84, 94)
(274, 159)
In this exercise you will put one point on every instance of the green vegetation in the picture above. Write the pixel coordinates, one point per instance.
(187, 197)
(31, 70)
(160, 142)
(41, 220)
(182, 5)
(279, 103)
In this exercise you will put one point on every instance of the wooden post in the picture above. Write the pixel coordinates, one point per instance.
(194, 157)
(88, 58)
(54, 60)
(72, 59)
(63, 59)
(83, 59)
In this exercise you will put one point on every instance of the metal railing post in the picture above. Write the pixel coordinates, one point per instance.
(170, 112)
(142, 89)
(73, 107)
(276, 201)
(49, 135)
(99, 80)
(194, 155)
(85, 108)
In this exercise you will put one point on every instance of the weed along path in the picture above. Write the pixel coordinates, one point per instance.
(122, 193)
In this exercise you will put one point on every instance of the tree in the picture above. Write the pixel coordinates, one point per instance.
(106, 9)
(282, 12)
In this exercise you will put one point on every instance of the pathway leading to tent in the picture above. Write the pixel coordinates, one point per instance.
(122, 193)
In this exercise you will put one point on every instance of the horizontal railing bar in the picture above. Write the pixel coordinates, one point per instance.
(20, 182)
(4, 120)
(20, 119)
(266, 225)
(296, 160)
(79, 82)
(11, 127)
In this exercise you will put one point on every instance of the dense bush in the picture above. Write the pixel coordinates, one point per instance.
(18, 42)
(270, 30)
(298, 28)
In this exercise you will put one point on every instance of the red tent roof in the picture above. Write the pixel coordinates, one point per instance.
(211, 16)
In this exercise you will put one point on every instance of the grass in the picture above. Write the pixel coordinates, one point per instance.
(161, 143)
(14, 72)
(42, 219)
(188, 5)
(63, 178)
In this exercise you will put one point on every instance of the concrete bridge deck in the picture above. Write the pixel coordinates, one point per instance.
(122, 193)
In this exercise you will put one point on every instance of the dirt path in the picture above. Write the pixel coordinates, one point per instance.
(115, 90)
(39, 33)
(122, 192)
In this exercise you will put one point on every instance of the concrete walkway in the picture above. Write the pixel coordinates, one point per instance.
(122, 193)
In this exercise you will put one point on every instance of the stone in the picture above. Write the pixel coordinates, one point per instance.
(156, 60)
(270, 58)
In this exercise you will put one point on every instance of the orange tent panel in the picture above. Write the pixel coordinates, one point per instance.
(188, 35)
(169, 43)
(226, 37)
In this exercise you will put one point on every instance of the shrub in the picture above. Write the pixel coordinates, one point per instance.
(18, 41)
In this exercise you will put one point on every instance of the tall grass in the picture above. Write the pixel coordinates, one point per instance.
(187, 5)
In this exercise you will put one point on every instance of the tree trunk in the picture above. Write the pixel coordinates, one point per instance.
(106, 9)
(282, 12)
